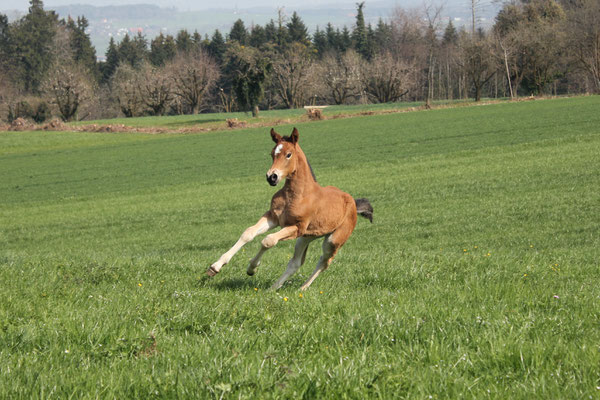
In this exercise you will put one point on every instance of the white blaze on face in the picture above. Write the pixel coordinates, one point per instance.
(278, 149)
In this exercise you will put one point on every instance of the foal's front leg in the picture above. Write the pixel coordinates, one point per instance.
(289, 232)
(264, 224)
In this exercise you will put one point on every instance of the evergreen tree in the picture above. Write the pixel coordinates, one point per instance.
(162, 49)
(34, 35)
(238, 32)
(83, 51)
(197, 40)
(345, 40)
(258, 36)
(333, 37)
(5, 43)
(112, 61)
(133, 52)
(271, 32)
(383, 37)
(248, 70)
(140, 46)
(184, 41)
(296, 29)
(320, 42)
(217, 47)
(359, 34)
(450, 34)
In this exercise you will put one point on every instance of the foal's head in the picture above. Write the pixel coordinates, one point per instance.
(284, 157)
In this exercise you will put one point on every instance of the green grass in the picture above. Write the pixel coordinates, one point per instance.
(478, 279)
(217, 120)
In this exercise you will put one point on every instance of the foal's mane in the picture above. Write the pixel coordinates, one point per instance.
(289, 140)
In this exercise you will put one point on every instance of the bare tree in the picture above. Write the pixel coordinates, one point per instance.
(193, 75)
(387, 78)
(291, 74)
(532, 29)
(583, 25)
(432, 14)
(124, 87)
(340, 76)
(67, 86)
(477, 60)
(155, 88)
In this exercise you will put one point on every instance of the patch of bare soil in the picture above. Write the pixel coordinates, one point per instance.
(54, 125)
(21, 124)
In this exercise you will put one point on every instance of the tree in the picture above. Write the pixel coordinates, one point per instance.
(258, 37)
(83, 51)
(359, 34)
(291, 72)
(477, 61)
(33, 38)
(248, 70)
(68, 86)
(155, 88)
(184, 41)
(124, 87)
(112, 61)
(341, 75)
(532, 27)
(162, 50)
(296, 30)
(217, 47)
(193, 75)
(320, 42)
(133, 52)
(583, 41)
(238, 32)
(387, 78)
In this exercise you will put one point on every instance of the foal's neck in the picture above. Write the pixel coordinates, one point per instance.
(301, 181)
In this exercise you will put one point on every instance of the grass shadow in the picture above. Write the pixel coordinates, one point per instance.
(244, 284)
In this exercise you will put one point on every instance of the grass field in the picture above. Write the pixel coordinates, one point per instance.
(478, 278)
(218, 120)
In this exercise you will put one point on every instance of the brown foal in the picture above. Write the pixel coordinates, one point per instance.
(305, 211)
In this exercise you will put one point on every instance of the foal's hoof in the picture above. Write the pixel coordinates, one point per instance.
(211, 271)
(250, 273)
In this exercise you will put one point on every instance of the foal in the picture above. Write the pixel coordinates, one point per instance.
(304, 210)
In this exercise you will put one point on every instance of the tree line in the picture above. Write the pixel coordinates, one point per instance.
(49, 67)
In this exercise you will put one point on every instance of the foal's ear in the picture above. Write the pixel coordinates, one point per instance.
(294, 136)
(275, 136)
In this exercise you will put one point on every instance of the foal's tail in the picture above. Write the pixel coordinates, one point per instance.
(364, 208)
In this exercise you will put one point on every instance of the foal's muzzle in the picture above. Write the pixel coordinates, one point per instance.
(273, 179)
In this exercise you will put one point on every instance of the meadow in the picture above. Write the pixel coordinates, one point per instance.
(478, 278)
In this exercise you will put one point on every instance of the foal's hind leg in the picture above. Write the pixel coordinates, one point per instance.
(296, 261)
(264, 224)
(331, 244)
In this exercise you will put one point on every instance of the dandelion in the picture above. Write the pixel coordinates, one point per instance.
(321, 292)
(300, 295)
(139, 284)
(465, 250)
(524, 275)
(476, 247)
(255, 289)
(285, 299)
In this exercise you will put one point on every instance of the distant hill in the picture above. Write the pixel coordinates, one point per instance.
(151, 19)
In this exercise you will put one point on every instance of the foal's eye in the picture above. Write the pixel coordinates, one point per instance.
(288, 156)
